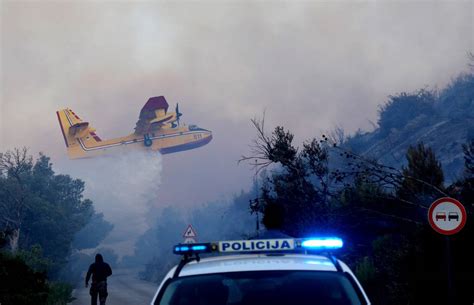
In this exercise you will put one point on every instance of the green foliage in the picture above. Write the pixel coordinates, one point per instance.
(43, 210)
(403, 107)
(59, 294)
(446, 123)
(281, 149)
(464, 187)
(300, 188)
(391, 253)
(92, 233)
(19, 284)
(72, 272)
(34, 258)
(423, 176)
(362, 192)
(365, 271)
(59, 211)
(381, 208)
(456, 100)
(41, 214)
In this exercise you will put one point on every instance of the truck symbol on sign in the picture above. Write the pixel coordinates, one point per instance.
(451, 216)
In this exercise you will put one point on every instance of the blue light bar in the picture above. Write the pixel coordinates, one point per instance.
(181, 248)
(322, 243)
(192, 248)
(198, 248)
(287, 245)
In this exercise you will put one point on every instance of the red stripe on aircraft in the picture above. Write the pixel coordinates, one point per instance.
(75, 115)
(96, 137)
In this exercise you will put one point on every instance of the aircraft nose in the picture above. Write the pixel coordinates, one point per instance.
(207, 136)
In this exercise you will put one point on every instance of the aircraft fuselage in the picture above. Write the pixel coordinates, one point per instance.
(165, 141)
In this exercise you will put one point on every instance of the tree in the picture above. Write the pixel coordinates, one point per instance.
(57, 212)
(20, 284)
(15, 198)
(403, 107)
(422, 174)
(92, 233)
(463, 189)
(302, 184)
(40, 207)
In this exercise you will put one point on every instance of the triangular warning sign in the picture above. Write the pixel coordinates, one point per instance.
(189, 233)
(189, 240)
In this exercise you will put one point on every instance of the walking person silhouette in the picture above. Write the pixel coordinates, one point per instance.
(99, 270)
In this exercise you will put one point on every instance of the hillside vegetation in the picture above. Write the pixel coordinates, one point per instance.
(374, 190)
(443, 120)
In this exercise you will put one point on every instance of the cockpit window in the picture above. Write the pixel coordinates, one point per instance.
(195, 127)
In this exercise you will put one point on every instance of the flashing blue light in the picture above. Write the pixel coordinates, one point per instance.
(182, 249)
(191, 248)
(198, 248)
(322, 243)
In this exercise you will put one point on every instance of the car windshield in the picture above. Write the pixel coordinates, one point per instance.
(261, 287)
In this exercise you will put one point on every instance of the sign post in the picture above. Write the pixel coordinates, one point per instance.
(190, 235)
(447, 216)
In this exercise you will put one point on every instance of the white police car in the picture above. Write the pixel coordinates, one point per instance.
(265, 271)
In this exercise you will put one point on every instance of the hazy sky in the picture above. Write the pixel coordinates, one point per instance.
(312, 65)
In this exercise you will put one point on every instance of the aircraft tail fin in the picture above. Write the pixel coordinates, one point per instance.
(75, 132)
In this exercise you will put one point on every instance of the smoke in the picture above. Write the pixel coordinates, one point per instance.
(311, 64)
(123, 186)
(219, 220)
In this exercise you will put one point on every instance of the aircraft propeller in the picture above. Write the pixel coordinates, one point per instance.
(178, 114)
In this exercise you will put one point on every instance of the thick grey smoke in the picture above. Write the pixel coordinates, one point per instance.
(123, 186)
(312, 65)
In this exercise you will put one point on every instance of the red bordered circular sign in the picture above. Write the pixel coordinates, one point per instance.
(447, 216)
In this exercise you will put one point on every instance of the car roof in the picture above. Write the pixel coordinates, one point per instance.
(258, 262)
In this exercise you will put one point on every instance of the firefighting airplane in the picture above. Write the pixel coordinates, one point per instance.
(156, 129)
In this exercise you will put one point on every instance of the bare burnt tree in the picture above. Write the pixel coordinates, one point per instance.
(269, 149)
(372, 171)
(306, 170)
(14, 167)
(312, 165)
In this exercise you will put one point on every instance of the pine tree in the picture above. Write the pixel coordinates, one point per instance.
(423, 176)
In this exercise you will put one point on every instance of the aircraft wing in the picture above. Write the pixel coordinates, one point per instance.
(153, 115)
(73, 118)
(74, 126)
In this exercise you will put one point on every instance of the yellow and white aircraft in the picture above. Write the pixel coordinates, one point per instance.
(156, 129)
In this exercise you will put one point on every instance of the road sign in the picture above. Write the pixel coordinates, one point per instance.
(447, 216)
(189, 233)
(189, 240)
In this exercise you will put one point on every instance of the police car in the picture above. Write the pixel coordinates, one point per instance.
(264, 271)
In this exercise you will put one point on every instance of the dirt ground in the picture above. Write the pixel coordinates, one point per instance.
(124, 288)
